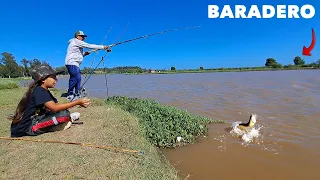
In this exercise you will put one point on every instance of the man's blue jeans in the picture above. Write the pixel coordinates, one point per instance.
(75, 79)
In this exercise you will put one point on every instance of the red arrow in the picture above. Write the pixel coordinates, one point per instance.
(306, 51)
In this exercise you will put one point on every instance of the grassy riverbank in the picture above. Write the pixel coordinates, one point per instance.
(116, 123)
(10, 83)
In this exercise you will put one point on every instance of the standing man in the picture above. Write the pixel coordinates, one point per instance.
(73, 60)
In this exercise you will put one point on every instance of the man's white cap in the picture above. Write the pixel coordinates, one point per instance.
(79, 33)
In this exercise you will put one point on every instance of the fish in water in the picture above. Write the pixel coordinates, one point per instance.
(248, 125)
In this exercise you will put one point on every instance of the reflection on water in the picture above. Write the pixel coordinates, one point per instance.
(287, 104)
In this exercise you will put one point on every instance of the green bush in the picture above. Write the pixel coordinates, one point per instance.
(163, 124)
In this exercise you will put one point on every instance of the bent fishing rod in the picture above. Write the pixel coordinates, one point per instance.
(100, 44)
(123, 42)
(107, 51)
(145, 36)
(148, 35)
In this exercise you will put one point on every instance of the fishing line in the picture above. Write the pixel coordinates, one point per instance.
(105, 54)
(105, 76)
(83, 91)
(123, 42)
(145, 36)
(97, 52)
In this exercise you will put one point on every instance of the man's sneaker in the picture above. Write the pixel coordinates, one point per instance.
(75, 116)
(70, 97)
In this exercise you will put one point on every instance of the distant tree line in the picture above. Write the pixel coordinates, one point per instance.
(298, 62)
(119, 70)
(9, 68)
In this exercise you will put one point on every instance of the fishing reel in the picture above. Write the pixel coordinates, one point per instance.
(81, 94)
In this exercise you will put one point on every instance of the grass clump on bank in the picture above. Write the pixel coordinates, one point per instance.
(163, 124)
(6, 83)
(8, 86)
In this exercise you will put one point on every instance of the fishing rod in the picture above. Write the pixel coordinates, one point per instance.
(82, 89)
(97, 53)
(123, 42)
(77, 143)
(107, 51)
(145, 36)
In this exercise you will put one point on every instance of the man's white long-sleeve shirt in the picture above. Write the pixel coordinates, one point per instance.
(75, 51)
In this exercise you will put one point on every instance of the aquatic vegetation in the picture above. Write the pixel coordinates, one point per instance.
(163, 124)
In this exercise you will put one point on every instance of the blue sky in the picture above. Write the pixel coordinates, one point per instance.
(41, 29)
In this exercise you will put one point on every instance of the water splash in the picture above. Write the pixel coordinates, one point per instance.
(247, 137)
(259, 135)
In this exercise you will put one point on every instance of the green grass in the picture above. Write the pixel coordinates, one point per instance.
(10, 83)
(103, 125)
(162, 124)
(120, 122)
(9, 86)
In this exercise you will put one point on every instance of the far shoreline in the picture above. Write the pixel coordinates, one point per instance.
(188, 71)
(220, 70)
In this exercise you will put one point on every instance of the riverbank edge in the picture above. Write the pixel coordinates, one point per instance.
(14, 164)
(165, 169)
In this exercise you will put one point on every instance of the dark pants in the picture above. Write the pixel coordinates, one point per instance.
(48, 122)
(75, 79)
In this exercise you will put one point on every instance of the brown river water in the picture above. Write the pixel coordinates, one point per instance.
(284, 144)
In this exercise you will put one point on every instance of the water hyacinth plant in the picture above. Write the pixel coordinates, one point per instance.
(163, 124)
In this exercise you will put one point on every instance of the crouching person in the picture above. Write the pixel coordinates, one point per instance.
(38, 111)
